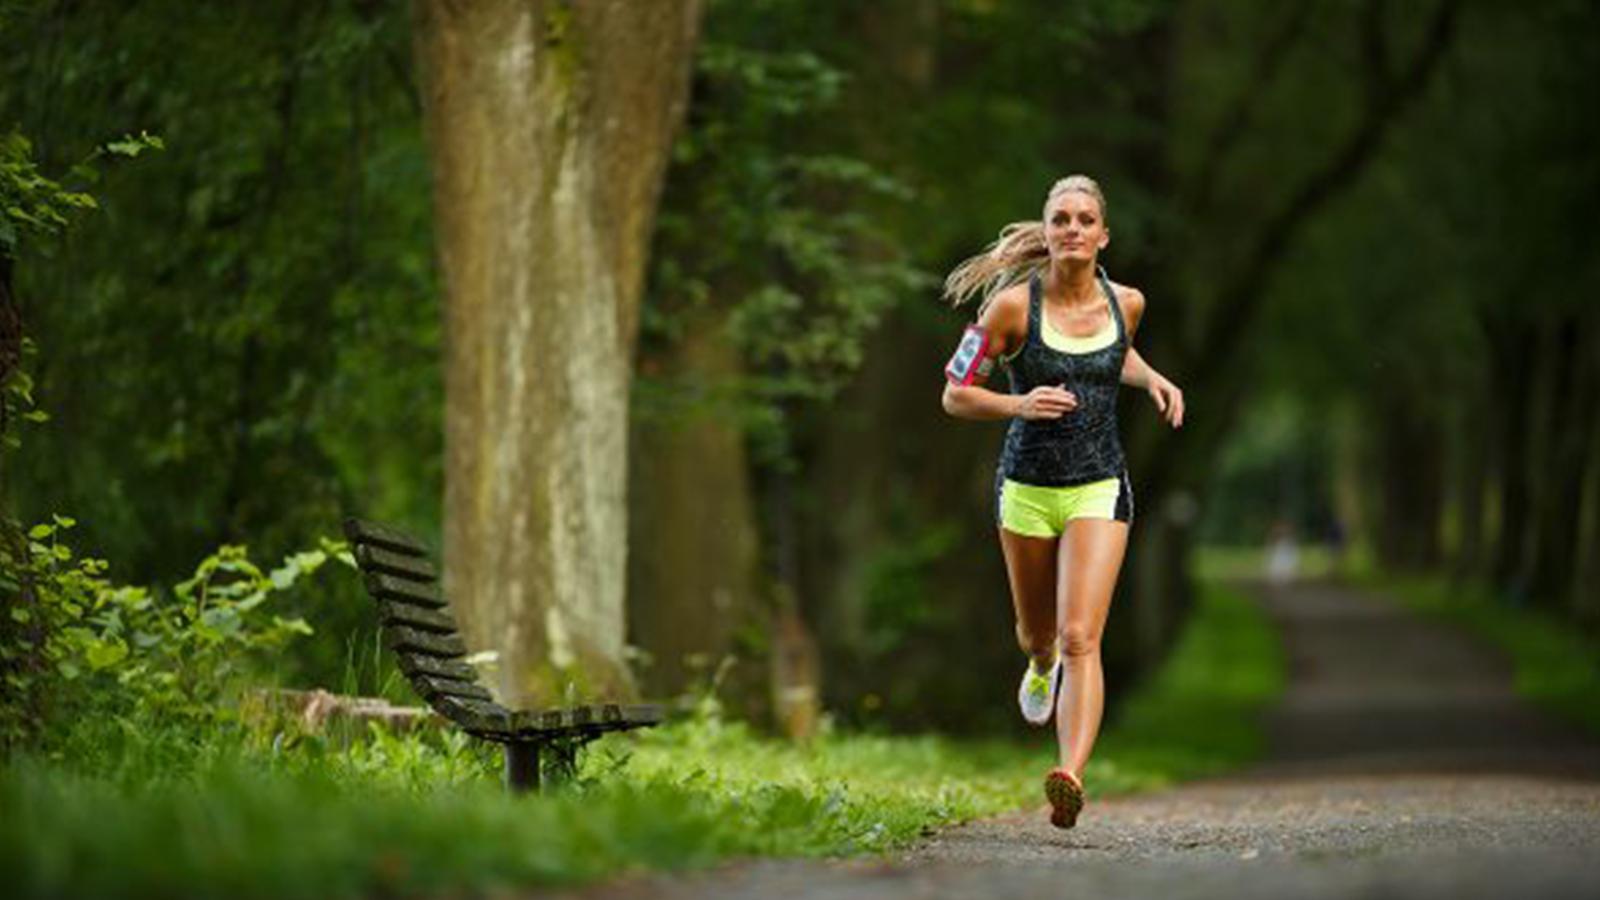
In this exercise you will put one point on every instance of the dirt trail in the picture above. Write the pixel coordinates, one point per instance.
(1400, 765)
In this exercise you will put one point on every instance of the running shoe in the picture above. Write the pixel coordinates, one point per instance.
(1066, 797)
(1037, 693)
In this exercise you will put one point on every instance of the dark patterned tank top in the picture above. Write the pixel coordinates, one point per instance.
(1082, 445)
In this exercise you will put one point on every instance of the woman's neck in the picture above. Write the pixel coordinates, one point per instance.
(1071, 282)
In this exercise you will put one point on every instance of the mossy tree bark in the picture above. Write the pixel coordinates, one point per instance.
(549, 126)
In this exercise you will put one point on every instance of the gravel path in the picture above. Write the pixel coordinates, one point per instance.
(1401, 765)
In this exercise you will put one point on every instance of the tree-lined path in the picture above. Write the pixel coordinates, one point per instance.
(1400, 765)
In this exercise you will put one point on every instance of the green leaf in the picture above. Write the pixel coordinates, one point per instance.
(21, 614)
(103, 654)
(39, 532)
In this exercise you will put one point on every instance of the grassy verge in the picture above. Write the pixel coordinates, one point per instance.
(136, 813)
(1556, 667)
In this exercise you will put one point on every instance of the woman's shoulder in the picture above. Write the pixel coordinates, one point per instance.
(1129, 297)
(1007, 305)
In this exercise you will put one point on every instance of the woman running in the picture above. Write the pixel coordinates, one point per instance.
(1064, 333)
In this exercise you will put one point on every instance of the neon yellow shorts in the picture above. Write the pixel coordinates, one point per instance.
(1038, 511)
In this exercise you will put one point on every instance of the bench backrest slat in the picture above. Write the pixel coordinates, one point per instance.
(388, 587)
(377, 559)
(419, 617)
(360, 531)
(415, 664)
(401, 638)
(432, 688)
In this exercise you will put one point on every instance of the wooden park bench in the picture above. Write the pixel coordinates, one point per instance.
(418, 626)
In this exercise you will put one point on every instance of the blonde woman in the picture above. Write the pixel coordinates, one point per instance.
(1064, 333)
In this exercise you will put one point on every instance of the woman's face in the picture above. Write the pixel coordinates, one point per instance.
(1074, 229)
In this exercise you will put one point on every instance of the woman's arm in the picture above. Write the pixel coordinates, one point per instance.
(1004, 321)
(1137, 373)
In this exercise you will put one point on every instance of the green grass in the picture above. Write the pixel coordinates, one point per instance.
(115, 813)
(1556, 666)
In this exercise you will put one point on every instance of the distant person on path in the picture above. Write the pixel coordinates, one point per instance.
(1063, 331)
(1283, 554)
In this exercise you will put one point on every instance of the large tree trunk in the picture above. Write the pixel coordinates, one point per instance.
(1572, 394)
(1409, 461)
(1512, 344)
(1472, 480)
(549, 125)
(1586, 570)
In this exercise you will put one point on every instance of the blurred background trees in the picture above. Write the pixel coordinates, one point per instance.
(1361, 228)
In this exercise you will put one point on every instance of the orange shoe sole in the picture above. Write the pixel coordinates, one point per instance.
(1066, 798)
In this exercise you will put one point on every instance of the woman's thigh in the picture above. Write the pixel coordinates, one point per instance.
(1092, 555)
(1031, 569)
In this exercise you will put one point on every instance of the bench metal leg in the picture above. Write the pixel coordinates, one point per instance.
(522, 766)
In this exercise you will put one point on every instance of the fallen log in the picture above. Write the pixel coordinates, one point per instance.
(317, 711)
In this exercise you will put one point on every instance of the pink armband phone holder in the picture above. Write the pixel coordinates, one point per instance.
(970, 359)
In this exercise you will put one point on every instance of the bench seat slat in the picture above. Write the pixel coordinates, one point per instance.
(487, 720)
(591, 719)
(388, 587)
(360, 531)
(419, 617)
(399, 637)
(431, 688)
(373, 558)
(414, 664)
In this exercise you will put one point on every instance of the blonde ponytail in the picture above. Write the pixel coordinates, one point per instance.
(1016, 254)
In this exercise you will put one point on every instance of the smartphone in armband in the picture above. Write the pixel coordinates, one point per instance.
(971, 360)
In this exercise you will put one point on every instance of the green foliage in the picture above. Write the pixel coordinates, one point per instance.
(30, 204)
(33, 206)
(16, 397)
(768, 242)
(85, 646)
(247, 345)
(35, 210)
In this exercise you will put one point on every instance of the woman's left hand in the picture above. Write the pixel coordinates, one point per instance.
(1168, 399)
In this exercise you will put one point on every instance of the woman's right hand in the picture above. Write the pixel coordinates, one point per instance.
(1047, 402)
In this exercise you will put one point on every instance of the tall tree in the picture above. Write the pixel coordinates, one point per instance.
(549, 125)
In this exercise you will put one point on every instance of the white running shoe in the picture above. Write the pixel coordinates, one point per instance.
(1037, 694)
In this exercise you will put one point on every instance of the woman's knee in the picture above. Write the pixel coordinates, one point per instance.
(1079, 641)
